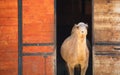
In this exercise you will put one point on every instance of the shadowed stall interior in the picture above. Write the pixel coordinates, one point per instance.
(70, 12)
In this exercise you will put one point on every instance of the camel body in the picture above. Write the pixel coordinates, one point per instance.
(74, 51)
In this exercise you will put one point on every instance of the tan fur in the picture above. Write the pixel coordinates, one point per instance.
(74, 50)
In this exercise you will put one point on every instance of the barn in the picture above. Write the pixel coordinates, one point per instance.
(32, 31)
(27, 42)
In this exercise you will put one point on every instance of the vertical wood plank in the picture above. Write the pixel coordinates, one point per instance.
(8, 37)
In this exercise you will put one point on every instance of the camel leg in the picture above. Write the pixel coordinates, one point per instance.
(84, 69)
(71, 70)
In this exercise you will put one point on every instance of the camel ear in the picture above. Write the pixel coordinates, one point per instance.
(86, 25)
(75, 24)
(73, 28)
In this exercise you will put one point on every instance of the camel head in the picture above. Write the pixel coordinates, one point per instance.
(80, 29)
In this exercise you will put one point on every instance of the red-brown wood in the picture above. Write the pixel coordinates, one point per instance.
(34, 49)
(35, 65)
(38, 27)
(8, 37)
(38, 21)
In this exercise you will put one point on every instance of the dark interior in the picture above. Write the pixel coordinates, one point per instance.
(68, 13)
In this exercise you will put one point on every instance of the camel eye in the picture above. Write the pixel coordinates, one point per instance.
(77, 27)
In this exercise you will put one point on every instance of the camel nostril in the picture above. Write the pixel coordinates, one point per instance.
(82, 31)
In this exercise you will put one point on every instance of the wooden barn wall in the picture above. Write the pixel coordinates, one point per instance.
(106, 37)
(8, 37)
(37, 27)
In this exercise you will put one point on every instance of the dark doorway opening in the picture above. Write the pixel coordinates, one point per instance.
(70, 12)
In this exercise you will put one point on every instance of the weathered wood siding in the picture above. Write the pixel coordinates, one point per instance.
(106, 37)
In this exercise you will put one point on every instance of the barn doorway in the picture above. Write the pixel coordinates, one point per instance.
(70, 12)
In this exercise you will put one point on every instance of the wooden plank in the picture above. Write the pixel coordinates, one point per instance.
(106, 65)
(36, 49)
(108, 6)
(107, 35)
(102, 35)
(107, 17)
(105, 7)
(105, 48)
(38, 26)
(8, 67)
(38, 65)
(8, 37)
(42, 37)
(101, 1)
(116, 6)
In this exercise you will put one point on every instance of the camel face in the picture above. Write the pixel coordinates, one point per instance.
(80, 29)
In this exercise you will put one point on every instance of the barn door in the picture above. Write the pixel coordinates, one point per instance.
(106, 37)
(36, 32)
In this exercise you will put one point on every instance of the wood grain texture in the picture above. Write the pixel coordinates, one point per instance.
(38, 21)
(8, 37)
(36, 65)
(106, 29)
(38, 27)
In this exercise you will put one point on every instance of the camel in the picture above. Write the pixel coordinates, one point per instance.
(74, 49)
